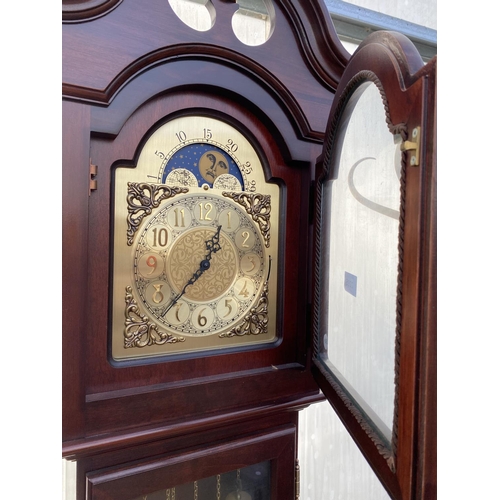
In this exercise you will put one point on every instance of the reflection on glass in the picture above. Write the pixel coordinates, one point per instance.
(331, 465)
(248, 483)
(362, 198)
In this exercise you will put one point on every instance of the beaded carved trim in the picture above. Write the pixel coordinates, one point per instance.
(388, 452)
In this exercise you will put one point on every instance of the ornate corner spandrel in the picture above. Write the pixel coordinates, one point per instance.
(258, 206)
(142, 198)
(256, 321)
(139, 330)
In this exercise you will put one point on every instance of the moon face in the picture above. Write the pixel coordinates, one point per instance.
(212, 164)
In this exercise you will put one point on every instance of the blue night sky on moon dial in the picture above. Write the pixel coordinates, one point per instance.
(205, 161)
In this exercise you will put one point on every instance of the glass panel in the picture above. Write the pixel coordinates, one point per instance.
(248, 483)
(68, 480)
(360, 254)
(331, 465)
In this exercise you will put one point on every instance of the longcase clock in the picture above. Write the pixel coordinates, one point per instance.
(231, 255)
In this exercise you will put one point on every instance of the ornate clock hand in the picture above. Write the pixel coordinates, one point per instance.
(212, 246)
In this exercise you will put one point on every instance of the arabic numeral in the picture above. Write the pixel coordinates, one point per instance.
(207, 133)
(202, 320)
(178, 212)
(160, 238)
(205, 211)
(244, 292)
(246, 236)
(181, 136)
(229, 307)
(231, 146)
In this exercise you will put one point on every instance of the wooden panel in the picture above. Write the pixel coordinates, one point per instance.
(246, 441)
(75, 195)
(426, 467)
(128, 482)
(124, 399)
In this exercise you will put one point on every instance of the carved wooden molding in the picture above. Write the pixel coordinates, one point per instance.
(324, 52)
(86, 10)
(195, 52)
(321, 53)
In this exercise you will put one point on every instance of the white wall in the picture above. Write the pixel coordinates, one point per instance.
(422, 12)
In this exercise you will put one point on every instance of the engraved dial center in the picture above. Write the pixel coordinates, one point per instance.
(189, 254)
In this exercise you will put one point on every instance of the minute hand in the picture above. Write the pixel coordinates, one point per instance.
(212, 246)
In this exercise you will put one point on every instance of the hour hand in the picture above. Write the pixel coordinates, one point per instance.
(212, 245)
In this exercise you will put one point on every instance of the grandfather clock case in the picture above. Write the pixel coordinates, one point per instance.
(234, 251)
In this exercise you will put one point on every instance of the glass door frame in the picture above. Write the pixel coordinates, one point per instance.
(407, 88)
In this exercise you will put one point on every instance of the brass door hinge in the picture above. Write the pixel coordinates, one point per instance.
(413, 146)
(297, 480)
(92, 176)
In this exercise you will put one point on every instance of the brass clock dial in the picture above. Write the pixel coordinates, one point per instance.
(195, 250)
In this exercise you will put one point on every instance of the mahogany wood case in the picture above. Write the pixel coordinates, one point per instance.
(139, 426)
